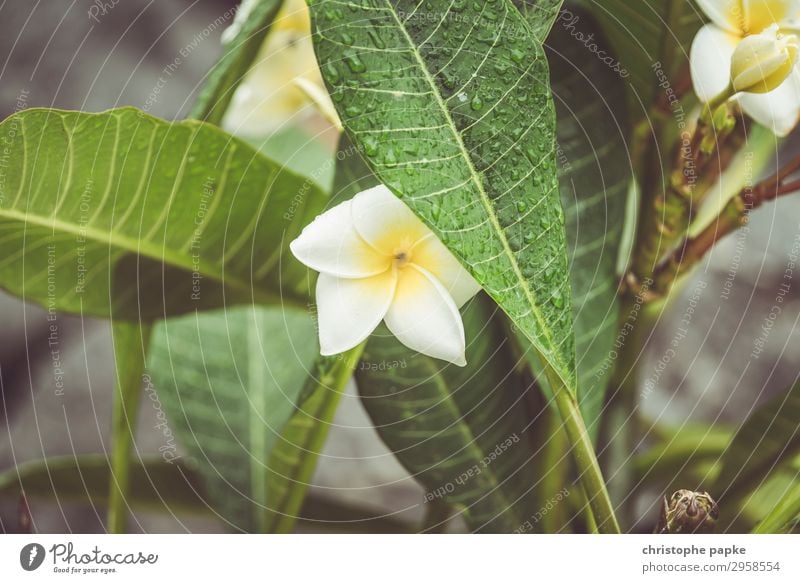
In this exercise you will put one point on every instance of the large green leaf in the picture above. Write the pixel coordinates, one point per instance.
(768, 438)
(154, 484)
(463, 433)
(594, 176)
(540, 14)
(228, 381)
(450, 102)
(643, 34)
(170, 216)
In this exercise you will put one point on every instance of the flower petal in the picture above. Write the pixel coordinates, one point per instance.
(712, 50)
(424, 317)
(431, 254)
(778, 110)
(726, 14)
(330, 244)
(384, 221)
(760, 14)
(349, 310)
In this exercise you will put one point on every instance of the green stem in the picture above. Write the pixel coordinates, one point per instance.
(130, 350)
(589, 473)
(230, 70)
(294, 459)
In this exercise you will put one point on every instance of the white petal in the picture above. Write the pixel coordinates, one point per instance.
(778, 110)
(712, 50)
(431, 254)
(424, 317)
(384, 221)
(349, 310)
(724, 13)
(330, 244)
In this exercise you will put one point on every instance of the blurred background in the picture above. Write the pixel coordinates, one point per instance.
(54, 54)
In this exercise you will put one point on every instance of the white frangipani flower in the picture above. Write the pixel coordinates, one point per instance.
(284, 85)
(712, 55)
(378, 261)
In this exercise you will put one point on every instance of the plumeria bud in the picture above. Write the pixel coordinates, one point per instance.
(762, 62)
(688, 512)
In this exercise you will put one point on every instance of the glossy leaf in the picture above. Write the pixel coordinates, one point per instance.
(768, 438)
(464, 433)
(642, 34)
(451, 105)
(594, 176)
(540, 14)
(229, 381)
(172, 217)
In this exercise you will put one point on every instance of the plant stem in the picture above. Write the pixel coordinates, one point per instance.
(230, 70)
(589, 473)
(130, 350)
(293, 461)
(732, 216)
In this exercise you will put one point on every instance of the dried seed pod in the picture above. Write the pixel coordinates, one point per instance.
(688, 512)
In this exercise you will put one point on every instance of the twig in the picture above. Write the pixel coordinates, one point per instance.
(732, 216)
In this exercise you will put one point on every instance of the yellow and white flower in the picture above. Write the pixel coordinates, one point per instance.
(284, 86)
(379, 262)
(733, 22)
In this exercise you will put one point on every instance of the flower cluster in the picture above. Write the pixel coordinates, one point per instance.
(750, 49)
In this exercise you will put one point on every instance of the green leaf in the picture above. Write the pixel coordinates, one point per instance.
(785, 514)
(767, 439)
(594, 177)
(540, 14)
(228, 382)
(293, 460)
(451, 105)
(231, 68)
(154, 484)
(642, 34)
(164, 213)
(463, 433)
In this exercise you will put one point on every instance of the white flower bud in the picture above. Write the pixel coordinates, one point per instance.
(762, 62)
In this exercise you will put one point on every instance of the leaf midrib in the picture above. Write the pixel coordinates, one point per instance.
(476, 179)
(132, 245)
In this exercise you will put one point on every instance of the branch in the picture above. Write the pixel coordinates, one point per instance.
(732, 216)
